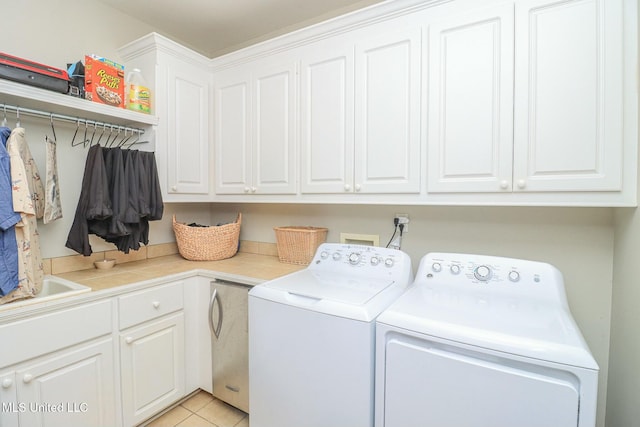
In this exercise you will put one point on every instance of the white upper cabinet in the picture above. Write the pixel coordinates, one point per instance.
(459, 102)
(360, 113)
(187, 128)
(569, 100)
(471, 101)
(180, 80)
(528, 99)
(326, 117)
(387, 111)
(255, 128)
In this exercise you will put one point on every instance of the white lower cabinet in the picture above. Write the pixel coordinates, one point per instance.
(152, 367)
(152, 351)
(72, 388)
(61, 370)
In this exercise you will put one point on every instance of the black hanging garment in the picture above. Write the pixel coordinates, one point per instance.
(131, 179)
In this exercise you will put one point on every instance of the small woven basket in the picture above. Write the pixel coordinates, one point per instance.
(207, 243)
(297, 245)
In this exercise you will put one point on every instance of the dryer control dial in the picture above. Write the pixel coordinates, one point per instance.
(389, 262)
(482, 273)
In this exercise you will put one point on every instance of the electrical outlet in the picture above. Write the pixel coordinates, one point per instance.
(402, 219)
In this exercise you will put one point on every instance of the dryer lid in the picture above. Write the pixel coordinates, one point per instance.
(529, 328)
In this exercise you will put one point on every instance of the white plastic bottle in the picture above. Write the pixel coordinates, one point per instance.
(138, 92)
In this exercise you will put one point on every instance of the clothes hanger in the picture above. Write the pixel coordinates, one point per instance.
(4, 116)
(18, 117)
(53, 129)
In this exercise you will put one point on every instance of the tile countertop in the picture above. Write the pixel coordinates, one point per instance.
(253, 268)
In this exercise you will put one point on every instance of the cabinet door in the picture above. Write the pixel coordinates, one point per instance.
(470, 124)
(568, 110)
(387, 111)
(326, 110)
(274, 126)
(232, 122)
(187, 129)
(70, 388)
(9, 408)
(152, 367)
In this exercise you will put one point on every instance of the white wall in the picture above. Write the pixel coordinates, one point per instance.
(580, 242)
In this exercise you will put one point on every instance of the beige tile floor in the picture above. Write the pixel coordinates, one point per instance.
(202, 410)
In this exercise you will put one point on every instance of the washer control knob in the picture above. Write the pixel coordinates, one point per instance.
(455, 269)
(336, 256)
(354, 258)
(375, 260)
(514, 276)
(324, 254)
(388, 262)
(482, 273)
(437, 267)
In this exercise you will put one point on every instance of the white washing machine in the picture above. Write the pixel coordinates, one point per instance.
(481, 341)
(311, 337)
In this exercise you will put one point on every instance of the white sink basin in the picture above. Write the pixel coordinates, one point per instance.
(52, 288)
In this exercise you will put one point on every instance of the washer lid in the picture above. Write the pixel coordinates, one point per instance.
(330, 286)
(330, 293)
(530, 328)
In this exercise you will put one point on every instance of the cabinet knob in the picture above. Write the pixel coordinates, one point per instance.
(128, 340)
(174, 188)
(254, 189)
(7, 383)
(358, 187)
(522, 183)
(156, 304)
(246, 189)
(27, 378)
(504, 184)
(347, 187)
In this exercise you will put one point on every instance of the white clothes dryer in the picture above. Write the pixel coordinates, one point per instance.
(311, 337)
(481, 341)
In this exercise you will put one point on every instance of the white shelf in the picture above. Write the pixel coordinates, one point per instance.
(32, 97)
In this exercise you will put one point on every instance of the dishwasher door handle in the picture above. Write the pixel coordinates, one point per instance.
(215, 330)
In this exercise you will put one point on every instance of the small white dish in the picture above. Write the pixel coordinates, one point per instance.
(105, 264)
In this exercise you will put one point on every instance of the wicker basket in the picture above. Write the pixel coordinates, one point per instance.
(297, 245)
(207, 243)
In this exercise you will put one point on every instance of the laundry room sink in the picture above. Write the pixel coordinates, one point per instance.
(52, 288)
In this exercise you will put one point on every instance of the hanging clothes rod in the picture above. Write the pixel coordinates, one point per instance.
(4, 108)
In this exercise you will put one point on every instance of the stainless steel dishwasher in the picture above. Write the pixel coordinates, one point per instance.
(228, 321)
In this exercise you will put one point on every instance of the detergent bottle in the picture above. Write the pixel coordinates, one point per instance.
(138, 92)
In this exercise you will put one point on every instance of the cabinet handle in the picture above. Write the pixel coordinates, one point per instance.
(504, 184)
(156, 304)
(174, 188)
(522, 183)
(358, 187)
(254, 189)
(27, 378)
(347, 187)
(128, 340)
(7, 383)
(246, 189)
(215, 330)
